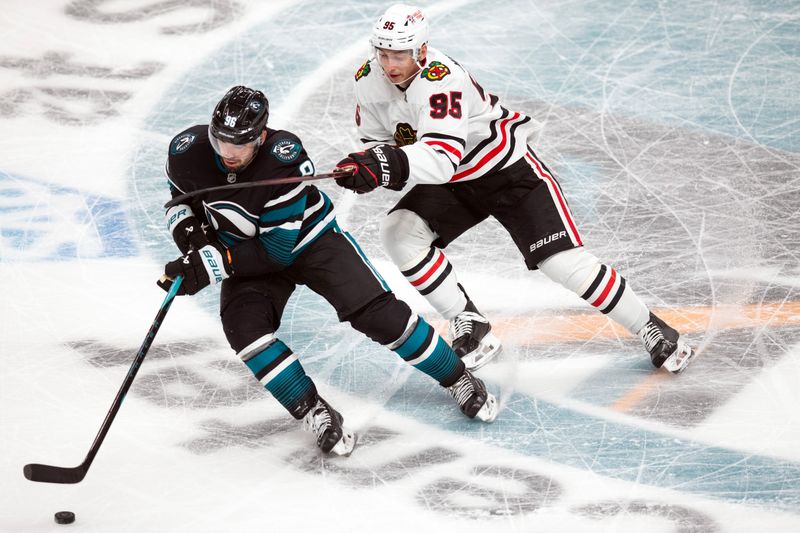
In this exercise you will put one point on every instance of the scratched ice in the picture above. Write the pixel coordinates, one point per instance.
(674, 132)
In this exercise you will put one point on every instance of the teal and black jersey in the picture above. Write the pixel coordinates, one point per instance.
(267, 227)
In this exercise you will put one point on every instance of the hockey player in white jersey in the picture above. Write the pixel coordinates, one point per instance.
(423, 119)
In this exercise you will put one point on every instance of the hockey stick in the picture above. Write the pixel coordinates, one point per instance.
(248, 184)
(61, 474)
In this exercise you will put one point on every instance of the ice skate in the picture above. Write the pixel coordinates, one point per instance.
(473, 398)
(665, 347)
(325, 423)
(471, 337)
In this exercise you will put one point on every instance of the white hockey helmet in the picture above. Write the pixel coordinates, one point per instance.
(402, 27)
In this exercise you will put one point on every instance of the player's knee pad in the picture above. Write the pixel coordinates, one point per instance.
(406, 237)
(246, 320)
(573, 269)
(383, 320)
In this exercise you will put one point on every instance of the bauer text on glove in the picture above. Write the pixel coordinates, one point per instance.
(380, 166)
(200, 268)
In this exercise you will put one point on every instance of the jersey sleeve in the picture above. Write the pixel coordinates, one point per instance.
(369, 128)
(442, 129)
(177, 213)
(371, 132)
(175, 175)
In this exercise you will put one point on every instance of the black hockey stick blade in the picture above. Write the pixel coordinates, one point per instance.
(55, 474)
(258, 183)
(60, 474)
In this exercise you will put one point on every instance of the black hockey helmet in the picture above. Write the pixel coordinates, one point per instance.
(240, 116)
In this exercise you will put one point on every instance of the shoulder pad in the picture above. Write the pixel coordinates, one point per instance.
(364, 70)
(435, 71)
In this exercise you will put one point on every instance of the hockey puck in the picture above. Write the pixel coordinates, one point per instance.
(65, 517)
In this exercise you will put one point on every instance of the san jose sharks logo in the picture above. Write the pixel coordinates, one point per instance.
(286, 151)
(435, 71)
(181, 143)
(363, 71)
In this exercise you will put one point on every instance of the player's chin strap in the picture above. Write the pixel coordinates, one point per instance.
(408, 78)
(412, 76)
(420, 66)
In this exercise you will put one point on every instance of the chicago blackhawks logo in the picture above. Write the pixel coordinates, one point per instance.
(363, 71)
(404, 134)
(435, 71)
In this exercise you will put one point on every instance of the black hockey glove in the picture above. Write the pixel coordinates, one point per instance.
(189, 234)
(380, 166)
(200, 268)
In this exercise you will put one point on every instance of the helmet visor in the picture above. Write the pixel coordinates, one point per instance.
(234, 155)
(399, 66)
(395, 56)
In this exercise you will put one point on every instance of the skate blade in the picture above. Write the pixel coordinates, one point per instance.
(487, 350)
(678, 361)
(489, 410)
(345, 445)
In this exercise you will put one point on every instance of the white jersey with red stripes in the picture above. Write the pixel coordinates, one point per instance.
(461, 131)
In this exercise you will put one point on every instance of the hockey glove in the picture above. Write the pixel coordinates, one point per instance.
(200, 268)
(187, 232)
(380, 166)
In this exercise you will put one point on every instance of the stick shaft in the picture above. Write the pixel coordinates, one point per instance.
(57, 474)
(181, 198)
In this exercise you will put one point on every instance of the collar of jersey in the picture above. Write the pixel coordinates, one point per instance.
(221, 167)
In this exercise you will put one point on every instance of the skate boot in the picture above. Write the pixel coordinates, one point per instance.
(665, 347)
(325, 423)
(471, 337)
(473, 398)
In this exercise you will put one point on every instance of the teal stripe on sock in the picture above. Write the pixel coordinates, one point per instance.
(442, 363)
(290, 385)
(413, 343)
(262, 360)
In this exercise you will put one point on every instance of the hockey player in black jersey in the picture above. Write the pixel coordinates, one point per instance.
(261, 242)
(423, 119)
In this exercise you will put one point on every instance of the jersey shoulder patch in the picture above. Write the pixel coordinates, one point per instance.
(364, 70)
(435, 71)
(286, 150)
(182, 142)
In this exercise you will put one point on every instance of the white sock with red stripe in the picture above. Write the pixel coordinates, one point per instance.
(600, 285)
(433, 276)
(409, 242)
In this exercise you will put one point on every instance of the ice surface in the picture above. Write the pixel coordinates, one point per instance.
(673, 130)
